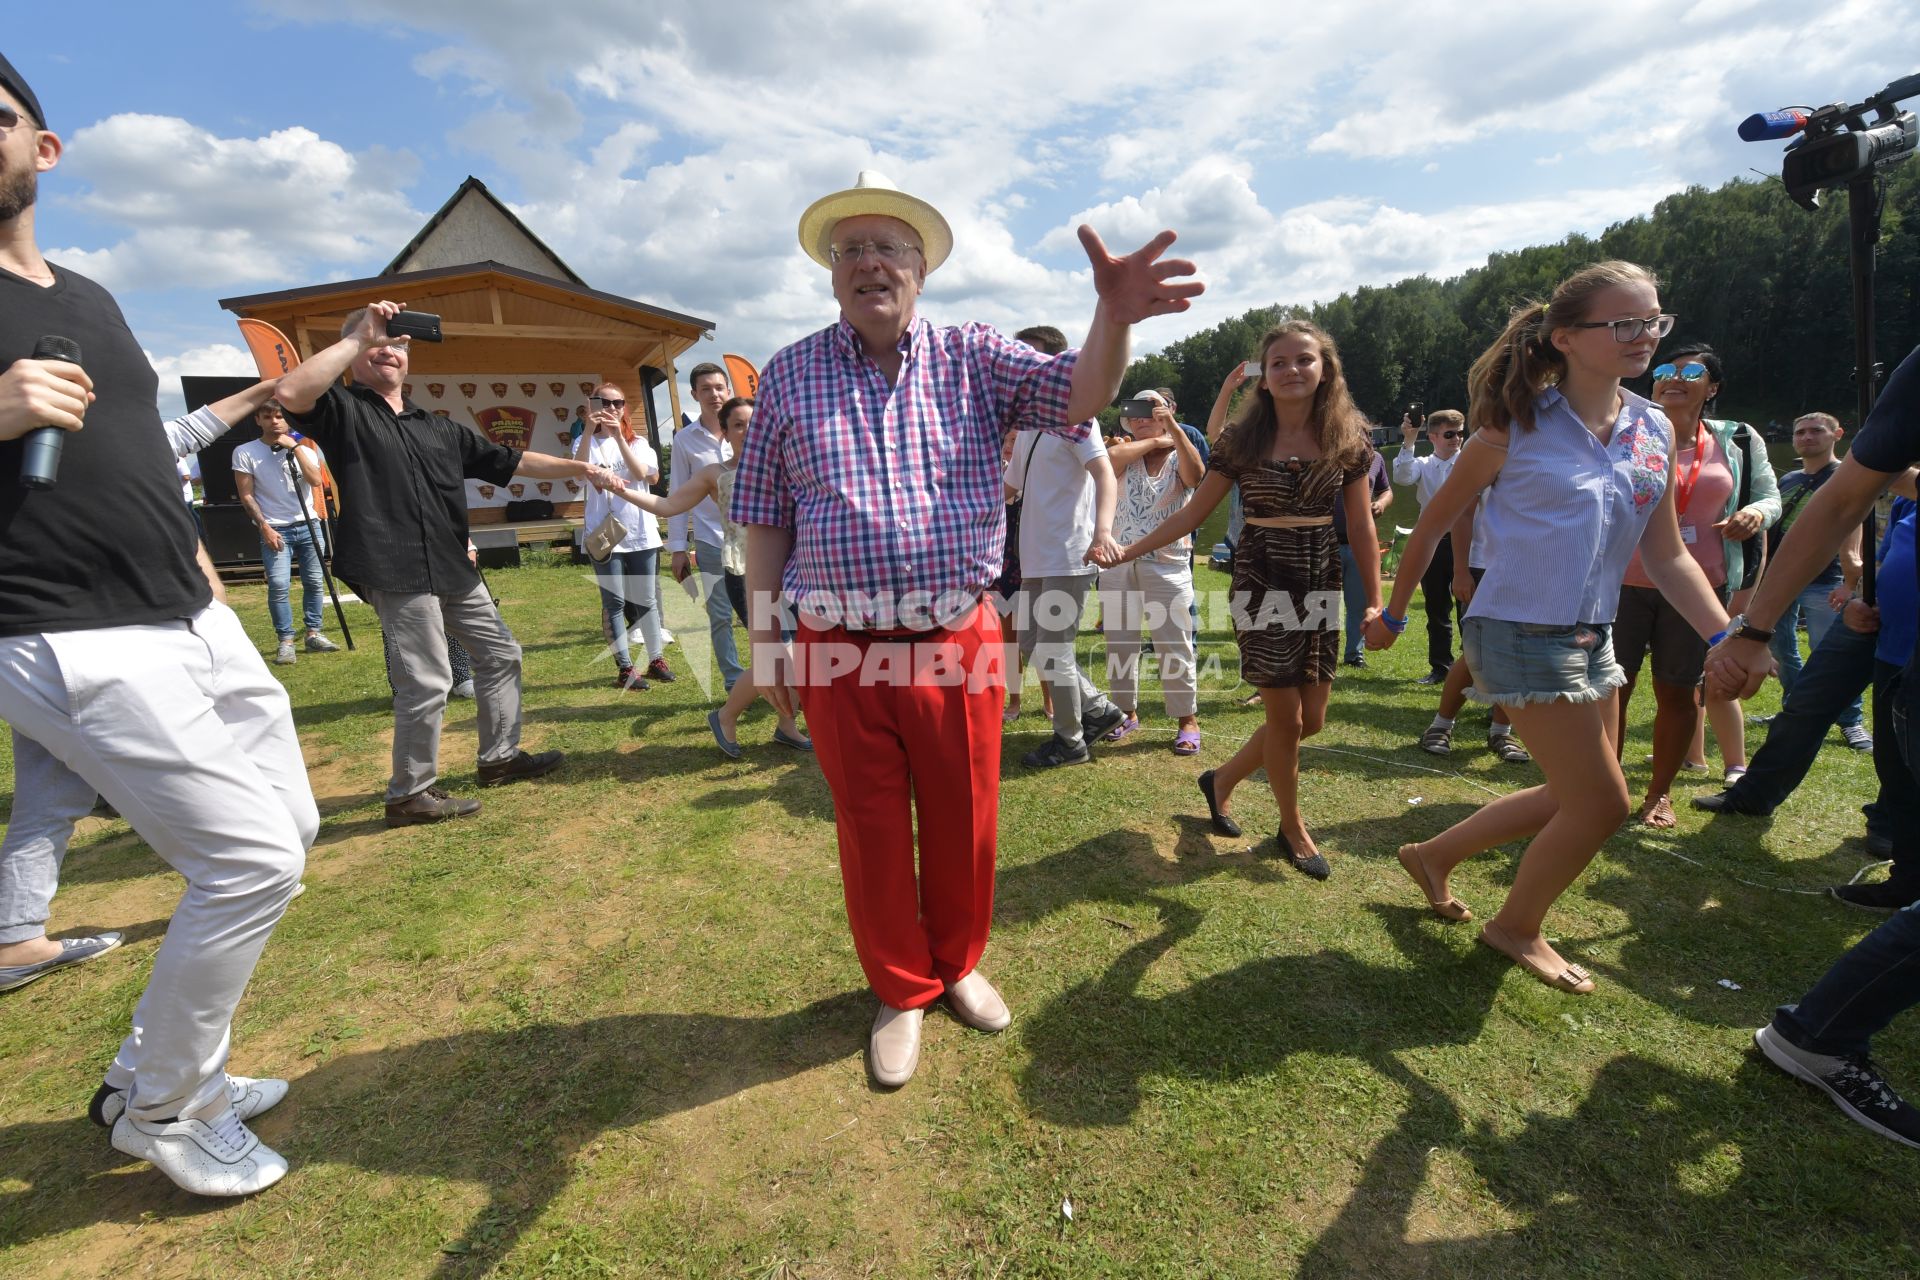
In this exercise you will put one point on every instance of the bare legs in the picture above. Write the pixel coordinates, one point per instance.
(1453, 694)
(1293, 715)
(1582, 802)
(739, 698)
(1676, 722)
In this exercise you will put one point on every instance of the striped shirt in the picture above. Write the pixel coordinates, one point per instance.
(1565, 512)
(893, 493)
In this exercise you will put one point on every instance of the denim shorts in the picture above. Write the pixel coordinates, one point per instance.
(1514, 663)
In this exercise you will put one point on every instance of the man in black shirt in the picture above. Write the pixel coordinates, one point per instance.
(116, 661)
(402, 544)
(1825, 1037)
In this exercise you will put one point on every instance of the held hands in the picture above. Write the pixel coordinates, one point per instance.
(1737, 669)
(1139, 285)
(1378, 634)
(43, 393)
(1104, 551)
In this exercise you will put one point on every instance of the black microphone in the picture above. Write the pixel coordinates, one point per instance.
(40, 460)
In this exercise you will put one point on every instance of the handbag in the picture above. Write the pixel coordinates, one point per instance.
(606, 535)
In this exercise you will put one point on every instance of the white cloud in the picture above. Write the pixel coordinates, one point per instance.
(219, 359)
(216, 212)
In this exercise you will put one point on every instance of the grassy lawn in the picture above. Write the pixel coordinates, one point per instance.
(614, 1024)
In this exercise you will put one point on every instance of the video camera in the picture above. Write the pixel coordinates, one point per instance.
(1838, 143)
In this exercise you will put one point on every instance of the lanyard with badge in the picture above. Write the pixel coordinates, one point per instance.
(1683, 489)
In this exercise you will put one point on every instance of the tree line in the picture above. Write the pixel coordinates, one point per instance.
(1763, 281)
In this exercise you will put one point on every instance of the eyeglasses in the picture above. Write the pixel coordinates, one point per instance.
(1691, 371)
(606, 402)
(889, 252)
(1451, 435)
(1630, 330)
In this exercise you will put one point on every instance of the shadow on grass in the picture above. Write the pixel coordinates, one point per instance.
(506, 1110)
(1657, 1172)
(1245, 1022)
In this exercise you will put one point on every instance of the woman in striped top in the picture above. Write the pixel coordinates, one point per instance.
(1578, 472)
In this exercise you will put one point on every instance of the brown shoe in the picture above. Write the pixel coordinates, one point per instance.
(431, 805)
(520, 768)
(1572, 978)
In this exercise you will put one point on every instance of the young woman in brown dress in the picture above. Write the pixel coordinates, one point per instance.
(1298, 447)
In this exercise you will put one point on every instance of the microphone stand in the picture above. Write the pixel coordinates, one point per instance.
(1863, 235)
(319, 549)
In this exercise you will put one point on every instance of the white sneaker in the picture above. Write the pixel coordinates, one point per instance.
(464, 689)
(249, 1097)
(284, 656)
(218, 1159)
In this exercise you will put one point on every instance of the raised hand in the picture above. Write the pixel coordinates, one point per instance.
(372, 329)
(1140, 285)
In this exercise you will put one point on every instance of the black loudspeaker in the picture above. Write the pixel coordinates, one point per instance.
(216, 460)
(229, 532)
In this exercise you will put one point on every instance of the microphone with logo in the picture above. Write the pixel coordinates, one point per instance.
(1764, 126)
(40, 460)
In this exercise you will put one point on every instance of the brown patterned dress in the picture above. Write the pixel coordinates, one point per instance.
(1286, 638)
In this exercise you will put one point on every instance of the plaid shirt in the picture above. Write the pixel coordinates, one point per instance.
(891, 490)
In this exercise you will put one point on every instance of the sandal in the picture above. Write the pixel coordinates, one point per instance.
(1186, 742)
(1222, 823)
(1508, 748)
(1572, 978)
(1121, 730)
(1658, 814)
(1449, 909)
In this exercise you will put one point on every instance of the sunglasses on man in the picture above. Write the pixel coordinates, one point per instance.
(1691, 371)
(1451, 435)
(9, 118)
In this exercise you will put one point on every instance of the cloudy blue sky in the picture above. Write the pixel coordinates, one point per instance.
(665, 149)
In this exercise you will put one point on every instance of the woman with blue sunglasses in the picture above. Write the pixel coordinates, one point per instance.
(1725, 495)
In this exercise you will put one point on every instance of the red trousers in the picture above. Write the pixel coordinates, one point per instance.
(896, 737)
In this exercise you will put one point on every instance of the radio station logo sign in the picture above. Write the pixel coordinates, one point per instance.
(507, 425)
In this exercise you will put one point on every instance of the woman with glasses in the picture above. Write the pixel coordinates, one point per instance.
(1298, 447)
(1585, 475)
(1725, 493)
(626, 576)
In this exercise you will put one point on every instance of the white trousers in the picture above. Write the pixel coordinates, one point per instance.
(183, 730)
(1157, 597)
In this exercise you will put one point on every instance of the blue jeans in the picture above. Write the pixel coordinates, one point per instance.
(294, 541)
(626, 596)
(706, 558)
(1812, 603)
(1836, 673)
(1865, 990)
(1355, 592)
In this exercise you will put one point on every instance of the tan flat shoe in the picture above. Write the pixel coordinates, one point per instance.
(893, 1050)
(975, 1002)
(1448, 909)
(1570, 978)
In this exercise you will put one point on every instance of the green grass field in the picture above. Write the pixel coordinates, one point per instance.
(614, 1024)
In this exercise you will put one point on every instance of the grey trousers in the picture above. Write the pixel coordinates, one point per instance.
(418, 624)
(48, 798)
(1053, 627)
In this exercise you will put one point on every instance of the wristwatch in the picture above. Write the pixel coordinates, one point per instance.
(1738, 628)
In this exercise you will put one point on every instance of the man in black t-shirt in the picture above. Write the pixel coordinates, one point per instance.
(402, 544)
(1824, 1038)
(117, 663)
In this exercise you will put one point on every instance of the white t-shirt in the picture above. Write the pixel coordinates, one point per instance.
(643, 529)
(188, 469)
(1056, 510)
(273, 485)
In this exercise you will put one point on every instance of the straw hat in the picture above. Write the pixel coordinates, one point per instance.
(873, 192)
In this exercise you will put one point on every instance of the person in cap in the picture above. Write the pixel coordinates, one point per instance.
(118, 667)
(871, 491)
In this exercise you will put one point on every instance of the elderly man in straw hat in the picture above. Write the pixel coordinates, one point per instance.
(870, 486)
